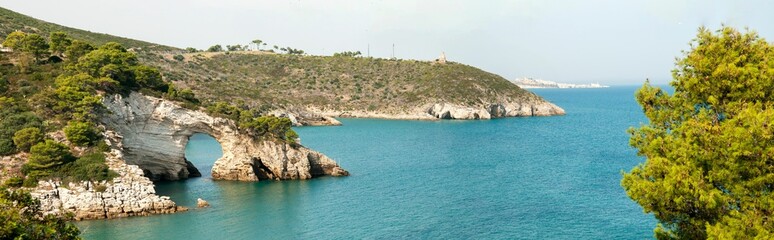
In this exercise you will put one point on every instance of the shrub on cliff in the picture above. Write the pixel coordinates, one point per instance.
(81, 133)
(185, 96)
(12, 121)
(271, 127)
(59, 42)
(708, 146)
(148, 77)
(13, 182)
(77, 49)
(21, 218)
(224, 110)
(76, 96)
(14, 39)
(49, 154)
(252, 122)
(26, 138)
(112, 61)
(89, 167)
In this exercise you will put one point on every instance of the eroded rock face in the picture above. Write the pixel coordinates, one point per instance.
(501, 108)
(155, 133)
(451, 111)
(256, 160)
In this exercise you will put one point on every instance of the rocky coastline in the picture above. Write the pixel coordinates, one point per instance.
(314, 116)
(147, 137)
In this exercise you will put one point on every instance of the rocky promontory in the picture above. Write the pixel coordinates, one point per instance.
(147, 138)
(155, 132)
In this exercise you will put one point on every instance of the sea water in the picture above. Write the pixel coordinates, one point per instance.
(516, 178)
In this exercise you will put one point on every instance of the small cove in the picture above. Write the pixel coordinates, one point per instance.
(541, 177)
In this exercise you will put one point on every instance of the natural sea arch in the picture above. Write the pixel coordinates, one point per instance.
(201, 152)
(153, 133)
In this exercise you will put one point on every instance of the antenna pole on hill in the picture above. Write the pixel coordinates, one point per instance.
(369, 50)
(393, 50)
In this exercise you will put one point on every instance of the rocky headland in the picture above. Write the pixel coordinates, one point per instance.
(147, 138)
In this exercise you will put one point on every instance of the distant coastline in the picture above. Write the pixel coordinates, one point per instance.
(540, 83)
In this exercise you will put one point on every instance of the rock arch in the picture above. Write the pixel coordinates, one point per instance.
(155, 133)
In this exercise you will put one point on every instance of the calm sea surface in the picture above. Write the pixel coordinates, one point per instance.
(531, 178)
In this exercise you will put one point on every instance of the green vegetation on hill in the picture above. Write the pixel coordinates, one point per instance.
(341, 82)
(709, 171)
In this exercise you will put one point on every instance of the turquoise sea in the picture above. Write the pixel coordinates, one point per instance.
(515, 178)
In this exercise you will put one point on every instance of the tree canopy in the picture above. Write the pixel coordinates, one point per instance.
(26, 138)
(215, 48)
(49, 154)
(59, 42)
(14, 39)
(21, 218)
(709, 146)
(348, 54)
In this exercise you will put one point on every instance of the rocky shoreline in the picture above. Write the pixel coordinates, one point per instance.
(129, 194)
(313, 116)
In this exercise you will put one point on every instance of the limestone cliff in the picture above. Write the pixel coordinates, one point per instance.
(155, 133)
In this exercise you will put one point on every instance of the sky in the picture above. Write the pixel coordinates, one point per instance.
(610, 42)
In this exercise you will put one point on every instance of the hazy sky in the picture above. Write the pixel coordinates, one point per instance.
(611, 42)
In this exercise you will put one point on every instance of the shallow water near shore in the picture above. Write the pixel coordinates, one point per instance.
(533, 178)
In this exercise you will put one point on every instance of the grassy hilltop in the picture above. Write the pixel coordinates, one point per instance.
(271, 80)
